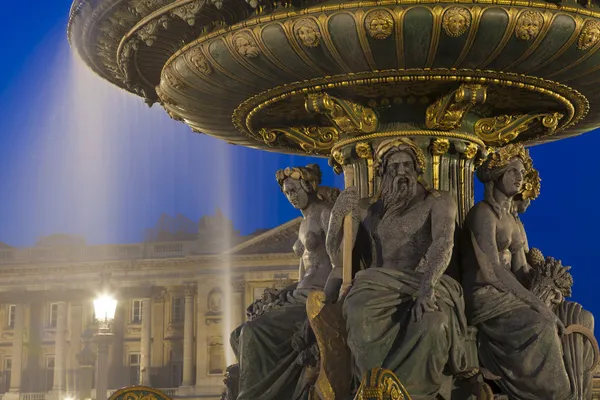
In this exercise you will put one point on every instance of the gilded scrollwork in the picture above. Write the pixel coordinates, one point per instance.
(590, 35)
(311, 139)
(439, 147)
(379, 24)
(456, 21)
(347, 116)
(503, 129)
(199, 60)
(447, 112)
(529, 25)
(381, 384)
(307, 32)
(245, 45)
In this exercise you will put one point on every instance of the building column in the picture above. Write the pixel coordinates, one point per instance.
(60, 351)
(188, 336)
(17, 353)
(237, 303)
(146, 343)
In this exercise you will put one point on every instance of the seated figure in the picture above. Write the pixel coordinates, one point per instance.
(550, 281)
(402, 313)
(270, 347)
(519, 335)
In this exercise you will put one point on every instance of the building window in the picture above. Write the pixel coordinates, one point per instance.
(177, 309)
(136, 311)
(49, 372)
(133, 363)
(53, 317)
(10, 323)
(7, 363)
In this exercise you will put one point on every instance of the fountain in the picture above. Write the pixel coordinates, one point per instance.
(455, 79)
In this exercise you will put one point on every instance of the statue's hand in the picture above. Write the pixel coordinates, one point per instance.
(345, 202)
(424, 303)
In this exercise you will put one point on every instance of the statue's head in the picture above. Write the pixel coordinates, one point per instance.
(400, 164)
(505, 170)
(301, 186)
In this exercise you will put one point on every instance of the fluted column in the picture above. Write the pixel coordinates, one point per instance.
(238, 309)
(17, 350)
(188, 336)
(60, 350)
(146, 342)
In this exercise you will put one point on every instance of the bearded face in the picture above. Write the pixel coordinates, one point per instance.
(399, 184)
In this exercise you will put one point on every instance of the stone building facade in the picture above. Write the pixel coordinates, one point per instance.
(177, 302)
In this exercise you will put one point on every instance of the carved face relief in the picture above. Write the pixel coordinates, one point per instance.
(590, 35)
(456, 21)
(199, 61)
(245, 45)
(529, 25)
(295, 193)
(379, 24)
(308, 33)
(511, 181)
(215, 301)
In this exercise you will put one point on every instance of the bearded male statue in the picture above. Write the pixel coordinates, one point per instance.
(403, 314)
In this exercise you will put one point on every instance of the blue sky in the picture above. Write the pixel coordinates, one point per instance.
(107, 169)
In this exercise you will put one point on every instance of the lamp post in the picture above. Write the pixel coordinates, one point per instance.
(104, 310)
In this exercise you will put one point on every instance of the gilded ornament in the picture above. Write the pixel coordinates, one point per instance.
(347, 116)
(440, 147)
(590, 35)
(338, 157)
(245, 45)
(311, 139)
(329, 327)
(199, 60)
(307, 31)
(531, 184)
(456, 21)
(503, 155)
(504, 129)
(379, 24)
(364, 150)
(381, 384)
(448, 111)
(470, 151)
(172, 80)
(529, 25)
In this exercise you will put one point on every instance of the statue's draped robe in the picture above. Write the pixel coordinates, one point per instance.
(382, 333)
(269, 369)
(516, 343)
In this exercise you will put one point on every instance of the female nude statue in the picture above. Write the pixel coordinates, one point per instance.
(266, 346)
(519, 335)
(551, 282)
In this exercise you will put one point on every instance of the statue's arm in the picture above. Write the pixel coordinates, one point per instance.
(301, 270)
(347, 202)
(437, 258)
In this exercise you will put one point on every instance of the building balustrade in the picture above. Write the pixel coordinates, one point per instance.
(98, 253)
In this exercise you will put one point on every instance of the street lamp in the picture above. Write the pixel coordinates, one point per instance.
(104, 311)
